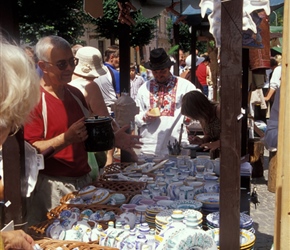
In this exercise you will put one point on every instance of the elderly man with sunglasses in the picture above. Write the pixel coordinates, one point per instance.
(58, 123)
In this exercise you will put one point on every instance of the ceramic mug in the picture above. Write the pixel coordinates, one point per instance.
(128, 207)
(84, 225)
(73, 234)
(127, 218)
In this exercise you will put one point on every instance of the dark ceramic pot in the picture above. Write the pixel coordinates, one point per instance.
(100, 134)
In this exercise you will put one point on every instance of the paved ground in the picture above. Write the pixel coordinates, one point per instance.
(264, 215)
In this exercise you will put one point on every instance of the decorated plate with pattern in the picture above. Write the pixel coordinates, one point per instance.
(208, 200)
(189, 240)
(247, 238)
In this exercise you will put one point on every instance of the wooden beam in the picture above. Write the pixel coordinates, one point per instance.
(282, 208)
(231, 83)
(124, 43)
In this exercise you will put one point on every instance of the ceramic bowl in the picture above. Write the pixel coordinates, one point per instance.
(166, 203)
(158, 198)
(146, 202)
(210, 201)
(87, 192)
(128, 207)
(100, 196)
(187, 204)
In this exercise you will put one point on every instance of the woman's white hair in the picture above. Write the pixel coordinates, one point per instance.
(19, 85)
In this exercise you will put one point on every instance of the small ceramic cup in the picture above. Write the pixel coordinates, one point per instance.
(128, 207)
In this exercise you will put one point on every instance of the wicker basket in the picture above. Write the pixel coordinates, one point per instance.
(50, 244)
(116, 168)
(67, 197)
(54, 213)
(38, 231)
(128, 187)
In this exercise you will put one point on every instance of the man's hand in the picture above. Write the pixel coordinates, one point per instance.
(211, 145)
(195, 140)
(127, 142)
(17, 239)
(77, 132)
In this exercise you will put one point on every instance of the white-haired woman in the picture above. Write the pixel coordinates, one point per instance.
(19, 84)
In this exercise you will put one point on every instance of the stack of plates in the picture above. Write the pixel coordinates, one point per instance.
(246, 221)
(151, 212)
(164, 217)
(247, 238)
(210, 201)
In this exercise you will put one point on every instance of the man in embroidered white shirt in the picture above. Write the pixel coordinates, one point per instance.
(165, 92)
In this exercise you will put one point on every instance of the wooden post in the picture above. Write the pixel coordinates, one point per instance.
(176, 41)
(272, 173)
(282, 208)
(231, 94)
(193, 52)
(125, 72)
(14, 176)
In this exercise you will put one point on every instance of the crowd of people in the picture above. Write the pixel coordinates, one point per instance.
(64, 84)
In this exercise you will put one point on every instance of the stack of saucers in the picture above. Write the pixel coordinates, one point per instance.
(164, 217)
(246, 221)
(151, 212)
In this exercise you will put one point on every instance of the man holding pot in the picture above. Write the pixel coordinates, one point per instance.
(58, 123)
(159, 101)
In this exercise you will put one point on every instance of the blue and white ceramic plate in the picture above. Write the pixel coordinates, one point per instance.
(187, 204)
(247, 238)
(208, 200)
(191, 239)
(246, 221)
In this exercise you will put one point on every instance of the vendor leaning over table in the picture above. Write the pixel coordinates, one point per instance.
(58, 122)
(163, 92)
(197, 106)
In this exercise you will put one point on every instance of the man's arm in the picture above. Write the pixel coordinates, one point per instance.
(76, 133)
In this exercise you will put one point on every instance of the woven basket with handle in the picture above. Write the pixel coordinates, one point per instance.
(38, 231)
(50, 244)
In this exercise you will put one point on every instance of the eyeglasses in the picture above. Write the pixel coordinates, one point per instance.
(62, 64)
(14, 130)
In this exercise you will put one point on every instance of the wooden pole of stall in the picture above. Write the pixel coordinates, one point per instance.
(231, 95)
(282, 215)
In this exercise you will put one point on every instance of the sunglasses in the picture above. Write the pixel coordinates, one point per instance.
(62, 64)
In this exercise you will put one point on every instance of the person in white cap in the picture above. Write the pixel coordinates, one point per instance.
(90, 67)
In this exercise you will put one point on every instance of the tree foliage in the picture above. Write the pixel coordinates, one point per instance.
(38, 18)
(184, 37)
(109, 27)
(66, 18)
